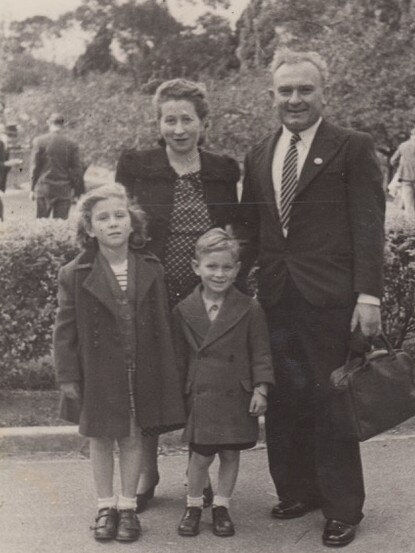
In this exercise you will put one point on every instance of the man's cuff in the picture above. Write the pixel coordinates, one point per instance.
(366, 298)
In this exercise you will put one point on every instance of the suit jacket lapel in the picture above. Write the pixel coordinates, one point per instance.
(264, 164)
(324, 147)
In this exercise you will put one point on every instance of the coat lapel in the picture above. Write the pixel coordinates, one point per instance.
(144, 277)
(324, 147)
(234, 307)
(98, 286)
(194, 313)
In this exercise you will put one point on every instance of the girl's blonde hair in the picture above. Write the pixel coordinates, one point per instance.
(138, 237)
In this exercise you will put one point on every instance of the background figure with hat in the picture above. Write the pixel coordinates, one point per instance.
(56, 171)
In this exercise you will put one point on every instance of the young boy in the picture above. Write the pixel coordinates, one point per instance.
(222, 346)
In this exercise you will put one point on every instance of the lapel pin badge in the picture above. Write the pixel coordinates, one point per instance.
(318, 161)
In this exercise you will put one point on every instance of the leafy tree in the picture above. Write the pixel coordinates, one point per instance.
(97, 56)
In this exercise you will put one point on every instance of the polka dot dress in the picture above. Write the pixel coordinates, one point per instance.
(189, 220)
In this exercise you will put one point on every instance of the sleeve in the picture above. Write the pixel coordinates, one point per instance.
(247, 225)
(65, 335)
(35, 163)
(181, 348)
(367, 215)
(259, 347)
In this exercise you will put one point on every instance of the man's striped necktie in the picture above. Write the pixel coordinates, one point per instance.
(289, 180)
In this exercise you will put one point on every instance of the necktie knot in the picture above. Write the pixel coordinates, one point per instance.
(295, 137)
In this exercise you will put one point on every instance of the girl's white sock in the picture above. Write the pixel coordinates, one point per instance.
(107, 502)
(125, 503)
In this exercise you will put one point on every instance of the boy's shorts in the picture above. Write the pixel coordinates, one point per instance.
(207, 450)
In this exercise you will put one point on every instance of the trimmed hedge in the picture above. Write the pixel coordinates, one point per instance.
(32, 252)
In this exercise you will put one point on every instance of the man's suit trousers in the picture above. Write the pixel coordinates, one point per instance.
(306, 460)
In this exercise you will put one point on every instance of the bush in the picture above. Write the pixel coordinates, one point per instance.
(31, 254)
(398, 305)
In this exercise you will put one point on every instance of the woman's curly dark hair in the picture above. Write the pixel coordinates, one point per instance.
(138, 238)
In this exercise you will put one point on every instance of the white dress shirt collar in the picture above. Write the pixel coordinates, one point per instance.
(307, 136)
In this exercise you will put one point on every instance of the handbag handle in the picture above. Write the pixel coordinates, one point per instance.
(374, 351)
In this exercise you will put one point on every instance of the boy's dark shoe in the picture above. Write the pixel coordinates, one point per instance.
(337, 533)
(222, 522)
(129, 528)
(207, 496)
(106, 524)
(295, 509)
(189, 525)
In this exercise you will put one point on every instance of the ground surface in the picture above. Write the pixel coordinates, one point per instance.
(48, 505)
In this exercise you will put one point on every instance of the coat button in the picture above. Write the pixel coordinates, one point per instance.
(200, 355)
(231, 357)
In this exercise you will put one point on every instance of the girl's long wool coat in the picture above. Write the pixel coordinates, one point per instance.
(88, 348)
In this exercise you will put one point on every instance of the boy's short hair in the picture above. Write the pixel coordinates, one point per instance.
(217, 240)
(138, 237)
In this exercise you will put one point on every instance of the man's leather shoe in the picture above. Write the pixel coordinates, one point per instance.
(129, 528)
(337, 533)
(106, 524)
(222, 522)
(288, 509)
(189, 525)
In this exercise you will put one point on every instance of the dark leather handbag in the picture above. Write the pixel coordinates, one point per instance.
(372, 393)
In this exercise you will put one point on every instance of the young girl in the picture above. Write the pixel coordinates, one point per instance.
(113, 351)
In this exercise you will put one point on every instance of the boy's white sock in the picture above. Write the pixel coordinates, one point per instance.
(220, 501)
(107, 502)
(126, 503)
(194, 501)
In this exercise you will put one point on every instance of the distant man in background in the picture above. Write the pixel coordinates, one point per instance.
(56, 171)
(404, 158)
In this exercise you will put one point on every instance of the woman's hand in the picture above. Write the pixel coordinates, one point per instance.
(70, 390)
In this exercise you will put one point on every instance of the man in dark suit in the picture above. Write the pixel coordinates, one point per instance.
(313, 210)
(56, 171)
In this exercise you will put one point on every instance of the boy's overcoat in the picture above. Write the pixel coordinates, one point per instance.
(88, 347)
(220, 362)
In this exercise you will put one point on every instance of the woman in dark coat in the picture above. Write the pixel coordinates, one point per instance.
(185, 191)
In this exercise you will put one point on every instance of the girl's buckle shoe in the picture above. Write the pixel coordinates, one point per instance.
(106, 524)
